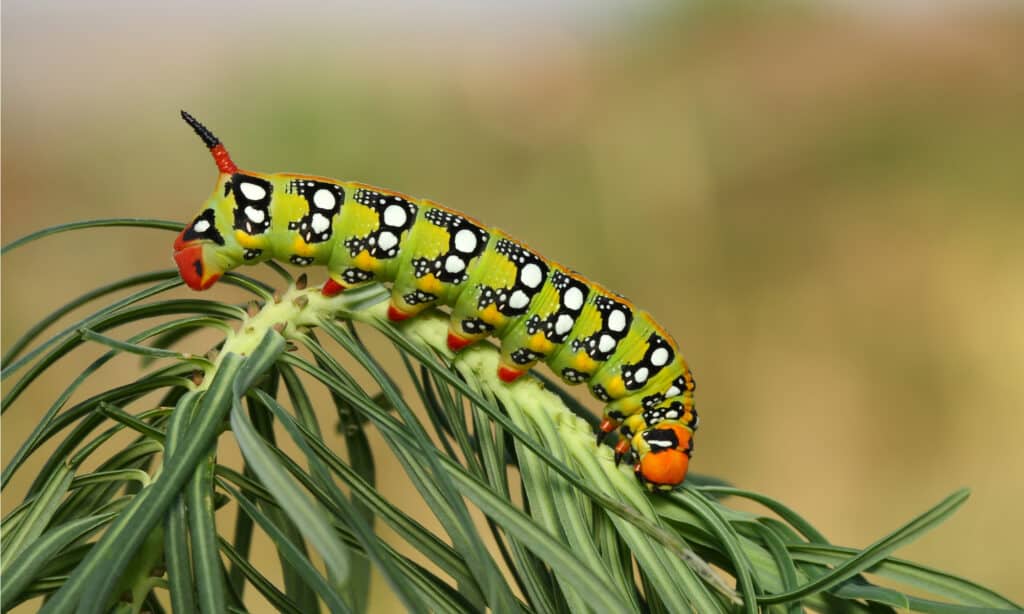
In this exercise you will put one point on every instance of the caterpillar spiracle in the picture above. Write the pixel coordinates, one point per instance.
(494, 286)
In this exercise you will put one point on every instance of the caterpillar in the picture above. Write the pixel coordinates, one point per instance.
(493, 285)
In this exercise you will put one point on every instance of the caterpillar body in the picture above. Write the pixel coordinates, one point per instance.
(494, 286)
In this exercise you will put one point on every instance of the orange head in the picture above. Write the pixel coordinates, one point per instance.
(664, 464)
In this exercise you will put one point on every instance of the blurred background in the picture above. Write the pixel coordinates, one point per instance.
(823, 202)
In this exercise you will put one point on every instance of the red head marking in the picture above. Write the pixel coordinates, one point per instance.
(220, 154)
(193, 272)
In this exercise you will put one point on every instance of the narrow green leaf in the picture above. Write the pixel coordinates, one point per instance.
(203, 538)
(432, 483)
(306, 515)
(31, 560)
(877, 551)
(116, 413)
(102, 223)
(360, 527)
(168, 377)
(301, 564)
(92, 321)
(142, 350)
(177, 553)
(18, 346)
(784, 512)
(783, 561)
(242, 540)
(294, 585)
(90, 584)
(278, 600)
(38, 516)
(934, 581)
(562, 561)
(728, 539)
(440, 553)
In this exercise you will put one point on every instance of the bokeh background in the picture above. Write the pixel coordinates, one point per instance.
(823, 202)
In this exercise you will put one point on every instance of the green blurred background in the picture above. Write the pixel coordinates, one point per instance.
(823, 203)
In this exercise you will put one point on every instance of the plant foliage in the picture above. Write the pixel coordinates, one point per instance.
(565, 531)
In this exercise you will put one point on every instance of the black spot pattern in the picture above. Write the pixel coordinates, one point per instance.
(600, 393)
(554, 325)
(678, 387)
(395, 216)
(418, 297)
(573, 376)
(252, 216)
(661, 439)
(301, 260)
(476, 326)
(601, 345)
(637, 375)
(650, 401)
(324, 201)
(523, 356)
(207, 231)
(515, 300)
(452, 265)
(252, 254)
(355, 276)
(673, 411)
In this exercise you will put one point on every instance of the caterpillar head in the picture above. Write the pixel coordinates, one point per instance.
(663, 456)
(207, 247)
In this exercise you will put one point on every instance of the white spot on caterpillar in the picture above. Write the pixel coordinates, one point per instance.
(387, 240)
(617, 321)
(659, 357)
(324, 199)
(573, 298)
(256, 215)
(465, 241)
(660, 443)
(395, 215)
(253, 191)
(454, 264)
(606, 343)
(563, 324)
(320, 223)
(518, 300)
(672, 415)
(641, 375)
(201, 226)
(532, 275)
(672, 392)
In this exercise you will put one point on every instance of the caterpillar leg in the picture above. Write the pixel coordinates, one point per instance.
(399, 310)
(513, 366)
(332, 288)
(622, 449)
(408, 302)
(607, 426)
(465, 332)
(516, 361)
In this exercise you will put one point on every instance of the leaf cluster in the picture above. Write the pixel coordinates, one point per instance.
(108, 525)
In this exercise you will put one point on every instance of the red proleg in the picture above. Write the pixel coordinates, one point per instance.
(509, 375)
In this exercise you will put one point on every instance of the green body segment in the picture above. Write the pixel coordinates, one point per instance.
(493, 285)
